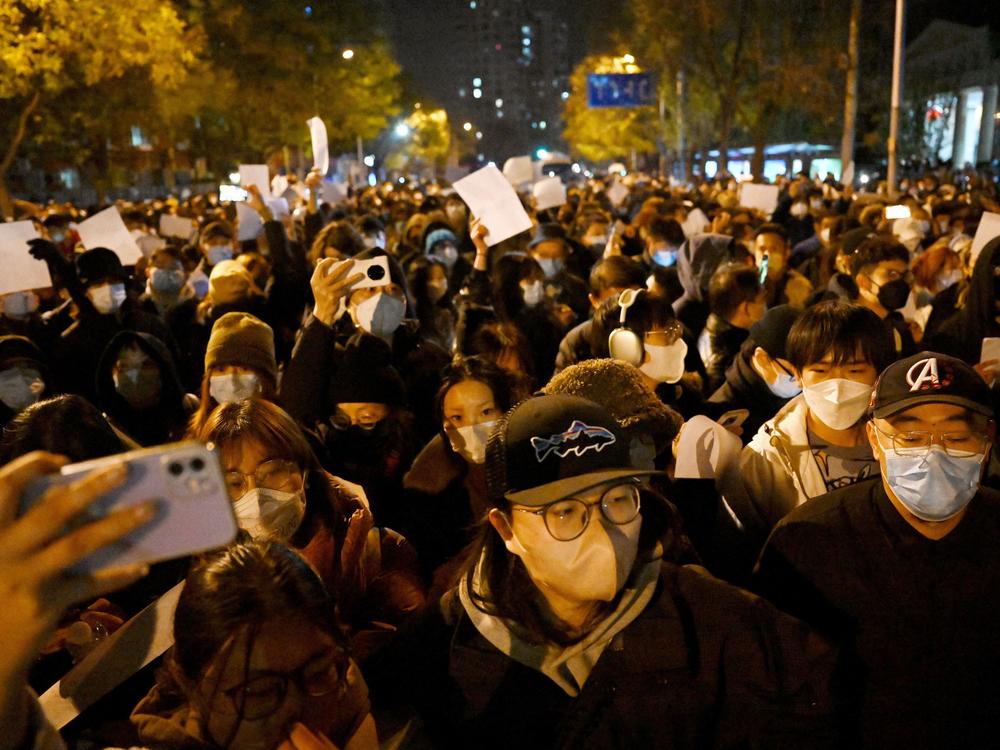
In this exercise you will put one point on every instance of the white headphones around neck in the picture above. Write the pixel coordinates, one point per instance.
(623, 343)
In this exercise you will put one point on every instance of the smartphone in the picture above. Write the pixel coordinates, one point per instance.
(897, 212)
(734, 418)
(375, 272)
(195, 513)
(232, 193)
(763, 269)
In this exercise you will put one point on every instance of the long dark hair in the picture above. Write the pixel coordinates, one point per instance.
(510, 270)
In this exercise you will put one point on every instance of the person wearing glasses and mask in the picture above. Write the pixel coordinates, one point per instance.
(569, 629)
(901, 571)
(259, 661)
(280, 492)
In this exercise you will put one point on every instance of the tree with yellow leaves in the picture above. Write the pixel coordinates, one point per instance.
(48, 47)
(606, 133)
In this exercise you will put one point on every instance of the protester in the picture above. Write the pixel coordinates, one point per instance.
(895, 569)
(736, 299)
(252, 622)
(519, 653)
(881, 269)
(816, 443)
(445, 488)
(239, 364)
(24, 376)
(784, 285)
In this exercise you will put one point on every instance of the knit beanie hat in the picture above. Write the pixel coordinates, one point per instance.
(230, 281)
(619, 388)
(99, 263)
(439, 235)
(241, 339)
(366, 375)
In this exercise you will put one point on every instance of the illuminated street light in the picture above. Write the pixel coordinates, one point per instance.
(467, 127)
(402, 130)
(347, 54)
(628, 58)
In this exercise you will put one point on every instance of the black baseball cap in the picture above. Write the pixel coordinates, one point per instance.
(930, 377)
(551, 447)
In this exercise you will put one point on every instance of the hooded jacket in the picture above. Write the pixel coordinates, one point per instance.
(167, 419)
(776, 472)
(697, 259)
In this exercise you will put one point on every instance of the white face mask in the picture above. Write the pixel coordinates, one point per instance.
(236, 387)
(824, 235)
(591, 568)
(380, 314)
(799, 210)
(838, 403)
(375, 240)
(550, 266)
(447, 253)
(20, 387)
(666, 363)
(533, 293)
(437, 289)
(269, 513)
(107, 298)
(470, 442)
(19, 304)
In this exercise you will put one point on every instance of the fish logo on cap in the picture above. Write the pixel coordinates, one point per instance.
(578, 439)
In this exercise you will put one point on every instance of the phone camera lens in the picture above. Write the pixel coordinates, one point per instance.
(175, 468)
(375, 273)
(197, 464)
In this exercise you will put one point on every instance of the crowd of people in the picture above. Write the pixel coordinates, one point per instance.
(664, 471)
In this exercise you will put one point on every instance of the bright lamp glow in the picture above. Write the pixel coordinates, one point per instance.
(347, 54)
(467, 126)
(402, 130)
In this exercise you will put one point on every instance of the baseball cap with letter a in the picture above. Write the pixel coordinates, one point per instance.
(928, 377)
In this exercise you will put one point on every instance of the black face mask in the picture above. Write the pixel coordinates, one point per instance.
(893, 295)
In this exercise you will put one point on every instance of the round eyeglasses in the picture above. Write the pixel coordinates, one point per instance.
(918, 443)
(275, 474)
(568, 518)
(265, 693)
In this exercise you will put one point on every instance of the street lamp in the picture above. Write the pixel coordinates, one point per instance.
(347, 54)
(467, 127)
(402, 130)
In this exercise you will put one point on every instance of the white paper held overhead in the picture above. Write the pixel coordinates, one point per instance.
(256, 174)
(549, 193)
(989, 227)
(492, 200)
(20, 270)
(176, 226)
(249, 224)
(106, 229)
(518, 170)
(321, 150)
(759, 197)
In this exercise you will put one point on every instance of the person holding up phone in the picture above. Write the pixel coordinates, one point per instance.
(36, 581)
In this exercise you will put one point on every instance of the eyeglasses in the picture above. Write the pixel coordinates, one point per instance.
(665, 336)
(275, 474)
(918, 443)
(265, 693)
(567, 519)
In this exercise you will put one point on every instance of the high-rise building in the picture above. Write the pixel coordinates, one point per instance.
(509, 74)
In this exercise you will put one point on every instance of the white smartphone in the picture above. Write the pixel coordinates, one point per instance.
(375, 272)
(195, 513)
(897, 212)
(734, 418)
(232, 193)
